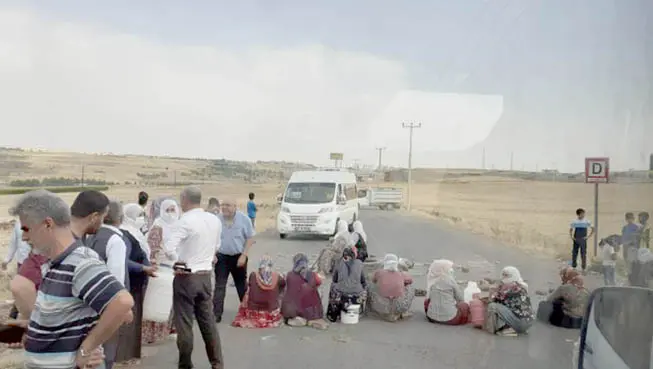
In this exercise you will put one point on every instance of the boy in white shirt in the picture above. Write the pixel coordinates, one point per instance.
(609, 248)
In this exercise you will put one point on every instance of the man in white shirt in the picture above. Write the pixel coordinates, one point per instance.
(194, 243)
(108, 242)
(17, 247)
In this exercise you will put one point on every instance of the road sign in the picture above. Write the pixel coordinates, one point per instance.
(597, 170)
(336, 156)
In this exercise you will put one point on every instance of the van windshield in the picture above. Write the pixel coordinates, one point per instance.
(310, 193)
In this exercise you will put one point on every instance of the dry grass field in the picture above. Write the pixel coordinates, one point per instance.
(530, 215)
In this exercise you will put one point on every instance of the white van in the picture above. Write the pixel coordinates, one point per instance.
(314, 201)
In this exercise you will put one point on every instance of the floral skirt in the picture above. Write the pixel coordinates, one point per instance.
(153, 332)
(387, 307)
(247, 318)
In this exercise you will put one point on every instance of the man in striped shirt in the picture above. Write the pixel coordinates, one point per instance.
(80, 305)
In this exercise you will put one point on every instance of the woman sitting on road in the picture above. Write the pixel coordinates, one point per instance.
(565, 307)
(359, 240)
(348, 285)
(301, 304)
(444, 304)
(509, 312)
(260, 307)
(330, 255)
(391, 293)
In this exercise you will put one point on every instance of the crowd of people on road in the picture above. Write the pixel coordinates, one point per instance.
(84, 271)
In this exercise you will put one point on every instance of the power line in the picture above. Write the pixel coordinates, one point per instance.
(411, 127)
(381, 150)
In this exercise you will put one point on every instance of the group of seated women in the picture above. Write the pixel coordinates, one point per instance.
(507, 311)
(272, 299)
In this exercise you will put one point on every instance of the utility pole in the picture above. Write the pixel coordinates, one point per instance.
(82, 175)
(411, 127)
(512, 157)
(380, 150)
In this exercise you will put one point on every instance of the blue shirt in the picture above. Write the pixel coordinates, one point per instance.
(630, 235)
(580, 227)
(235, 235)
(251, 209)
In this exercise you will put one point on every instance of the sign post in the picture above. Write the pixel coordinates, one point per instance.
(597, 170)
(336, 157)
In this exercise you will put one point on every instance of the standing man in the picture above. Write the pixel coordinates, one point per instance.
(109, 243)
(580, 231)
(88, 212)
(214, 206)
(22, 251)
(17, 248)
(143, 197)
(237, 240)
(71, 318)
(252, 209)
(194, 243)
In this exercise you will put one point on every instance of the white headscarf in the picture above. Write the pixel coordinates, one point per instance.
(510, 274)
(358, 228)
(343, 237)
(439, 268)
(391, 262)
(132, 222)
(167, 220)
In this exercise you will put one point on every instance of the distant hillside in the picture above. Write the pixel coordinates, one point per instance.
(20, 166)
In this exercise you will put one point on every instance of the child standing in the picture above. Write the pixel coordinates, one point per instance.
(252, 209)
(609, 257)
(645, 236)
(580, 231)
(630, 239)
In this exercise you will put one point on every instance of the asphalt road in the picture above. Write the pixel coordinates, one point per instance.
(414, 343)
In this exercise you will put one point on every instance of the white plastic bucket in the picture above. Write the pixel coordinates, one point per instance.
(158, 296)
(351, 314)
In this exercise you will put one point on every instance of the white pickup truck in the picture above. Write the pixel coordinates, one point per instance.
(384, 198)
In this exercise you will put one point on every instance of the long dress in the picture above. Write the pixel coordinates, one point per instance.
(260, 307)
(154, 332)
(302, 298)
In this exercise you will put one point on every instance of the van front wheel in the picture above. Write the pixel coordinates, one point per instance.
(282, 235)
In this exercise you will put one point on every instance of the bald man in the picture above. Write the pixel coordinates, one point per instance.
(236, 241)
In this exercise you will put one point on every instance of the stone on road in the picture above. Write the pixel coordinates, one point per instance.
(413, 343)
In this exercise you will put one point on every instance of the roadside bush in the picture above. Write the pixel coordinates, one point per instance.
(57, 182)
(62, 189)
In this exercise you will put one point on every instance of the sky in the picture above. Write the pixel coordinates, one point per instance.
(527, 84)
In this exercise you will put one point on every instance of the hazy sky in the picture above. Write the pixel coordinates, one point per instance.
(551, 81)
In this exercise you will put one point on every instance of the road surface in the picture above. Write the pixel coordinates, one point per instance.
(407, 344)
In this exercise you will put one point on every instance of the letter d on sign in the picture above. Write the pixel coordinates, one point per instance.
(597, 168)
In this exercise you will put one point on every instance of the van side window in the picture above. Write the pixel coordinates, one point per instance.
(627, 325)
(350, 191)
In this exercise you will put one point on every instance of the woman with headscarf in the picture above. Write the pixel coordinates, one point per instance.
(509, 312)
(301, 304)
(348, 285)
(139, 268)
(444, 303)
(161, 230)
(565, 307)
(330, 255)
(391, 293)
(260, 307)
(359, 241)
(641, 274)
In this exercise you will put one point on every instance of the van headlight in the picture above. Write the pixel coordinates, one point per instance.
(284, 209)
(326, 210)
